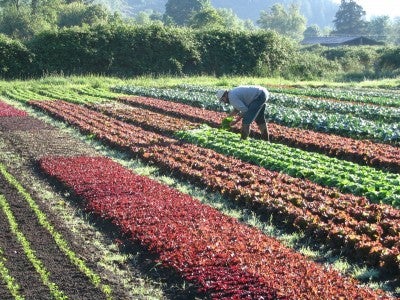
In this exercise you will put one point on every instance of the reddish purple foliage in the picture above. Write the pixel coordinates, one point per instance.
(225, 258)
(297, 202)
(7, 110)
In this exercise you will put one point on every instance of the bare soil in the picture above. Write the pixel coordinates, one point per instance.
(30, 139)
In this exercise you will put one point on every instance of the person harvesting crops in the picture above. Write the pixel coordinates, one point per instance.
(249, 103)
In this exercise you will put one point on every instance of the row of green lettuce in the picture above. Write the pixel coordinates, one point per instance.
(348, 177)
(293, 112)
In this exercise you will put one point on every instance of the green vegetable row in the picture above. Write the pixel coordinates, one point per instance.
(384, 98)
(348, 177)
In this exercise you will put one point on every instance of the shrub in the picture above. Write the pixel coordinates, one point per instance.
(15, 58)
(75, 50)
(309, 65)
(226, 52)
(389, 61)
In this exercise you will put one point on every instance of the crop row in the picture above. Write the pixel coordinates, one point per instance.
(224, 258)
(37, 264)
(368, 231)
(10, 282)
(345, 125)
(378, 186)
(368, 112)
(363, 152)
(377, 97)
(7, 110)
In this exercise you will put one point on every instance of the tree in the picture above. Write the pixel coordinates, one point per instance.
(11, 3)
(208, 16)
(312, 31)
(379, 28)
(232, 21)
(395, 31)
(290, 23)
(349, 19)
(180, 11)
(77, 14)
(148, 17)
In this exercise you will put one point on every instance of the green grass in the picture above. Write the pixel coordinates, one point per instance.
(102, 82)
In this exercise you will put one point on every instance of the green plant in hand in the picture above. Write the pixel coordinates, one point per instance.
(226, 123)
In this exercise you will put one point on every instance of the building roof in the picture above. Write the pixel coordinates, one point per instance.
(339, 41)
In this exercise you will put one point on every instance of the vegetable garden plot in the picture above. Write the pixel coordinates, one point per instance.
(377, 186)
(348, 177)
(39, 262)
(225, 258)
(350, 223)
(360, 151)
(381, 98)
(368, 112)
(344, 125)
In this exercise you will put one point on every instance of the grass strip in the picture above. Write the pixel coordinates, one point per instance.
(58, 238)
(30, 253)
(12, 286)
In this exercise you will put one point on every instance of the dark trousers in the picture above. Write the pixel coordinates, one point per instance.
(256, 111)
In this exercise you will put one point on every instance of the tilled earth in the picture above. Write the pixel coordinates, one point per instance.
(23, 140)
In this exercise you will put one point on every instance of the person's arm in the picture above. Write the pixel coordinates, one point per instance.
(234, 112)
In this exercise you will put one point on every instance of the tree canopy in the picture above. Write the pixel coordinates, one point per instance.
(287, 22)
(180, 11)
(349, 19)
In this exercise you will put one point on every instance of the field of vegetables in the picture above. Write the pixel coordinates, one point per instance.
(329, 180)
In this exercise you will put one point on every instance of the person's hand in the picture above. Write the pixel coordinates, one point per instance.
(237, 120)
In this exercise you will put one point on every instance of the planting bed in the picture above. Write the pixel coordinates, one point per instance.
(223, 257)
(41, 258)
(363, 230)
(214, 255)
(360, 151)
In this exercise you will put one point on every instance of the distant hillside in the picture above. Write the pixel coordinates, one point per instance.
(320, 12)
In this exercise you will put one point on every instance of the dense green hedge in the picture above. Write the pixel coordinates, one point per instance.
(127, 50)
(249, 53)
(15, 58)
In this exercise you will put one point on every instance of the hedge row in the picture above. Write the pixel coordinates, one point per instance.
(135, 50)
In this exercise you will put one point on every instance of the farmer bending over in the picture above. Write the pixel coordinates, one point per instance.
(249, 104)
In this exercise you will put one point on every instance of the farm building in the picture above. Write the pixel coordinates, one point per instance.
(333, 41)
